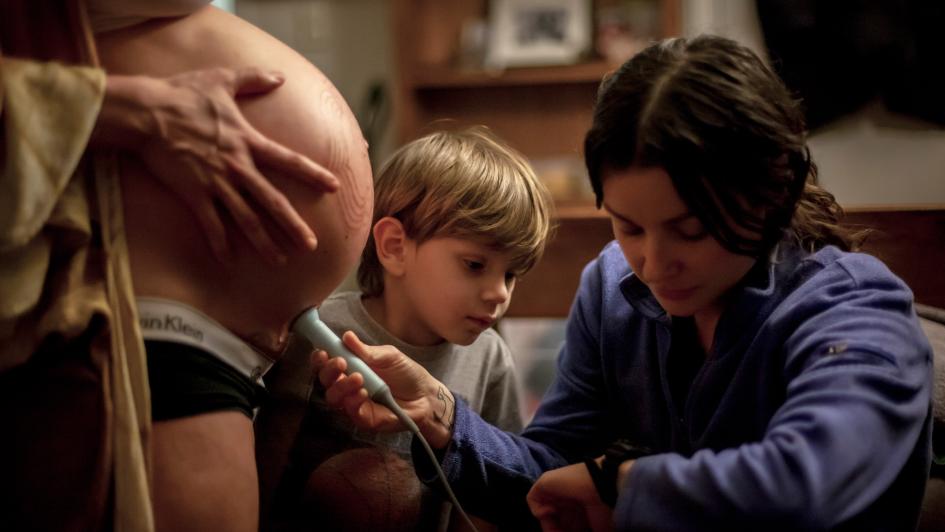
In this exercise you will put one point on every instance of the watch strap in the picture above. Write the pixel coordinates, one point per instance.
(605, 475)
(606, 489)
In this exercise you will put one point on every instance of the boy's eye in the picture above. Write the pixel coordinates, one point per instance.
(510, 278)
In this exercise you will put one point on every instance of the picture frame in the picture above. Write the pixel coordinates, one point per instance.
(538, 32)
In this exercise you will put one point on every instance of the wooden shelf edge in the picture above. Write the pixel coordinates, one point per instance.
(579, 210)
(439, 77)
(894, 208)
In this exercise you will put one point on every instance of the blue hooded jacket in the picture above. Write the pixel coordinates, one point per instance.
(812, 411)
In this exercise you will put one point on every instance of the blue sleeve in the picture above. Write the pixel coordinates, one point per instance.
(858, 374)
(491, 470)
(576, 416)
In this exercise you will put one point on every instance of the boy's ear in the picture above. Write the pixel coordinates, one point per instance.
(390, 242)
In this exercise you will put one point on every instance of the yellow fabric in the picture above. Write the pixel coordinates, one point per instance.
(48, 113)
(129, 370)
(63, 256)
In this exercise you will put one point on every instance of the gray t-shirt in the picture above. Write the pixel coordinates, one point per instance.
(483, 373)
(337, 472)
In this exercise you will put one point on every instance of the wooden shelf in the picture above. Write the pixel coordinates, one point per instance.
(915, 207)
(577, 211)
(909, 239)
(438, 77)
(542, 111)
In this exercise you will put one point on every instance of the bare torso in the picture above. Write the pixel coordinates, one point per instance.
(169, 256)
(204, 468)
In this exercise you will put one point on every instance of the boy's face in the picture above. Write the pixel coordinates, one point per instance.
(455, 289)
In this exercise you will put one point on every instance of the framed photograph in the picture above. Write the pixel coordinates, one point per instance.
(538, 32)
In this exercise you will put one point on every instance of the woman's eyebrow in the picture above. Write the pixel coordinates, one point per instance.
(672, 221)
(679, 219)
(616, 214)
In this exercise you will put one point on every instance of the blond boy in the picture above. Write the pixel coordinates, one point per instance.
(458, 218)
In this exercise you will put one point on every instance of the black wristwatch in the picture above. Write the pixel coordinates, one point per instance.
(605, 475)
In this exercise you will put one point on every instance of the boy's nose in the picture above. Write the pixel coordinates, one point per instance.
(496, 291)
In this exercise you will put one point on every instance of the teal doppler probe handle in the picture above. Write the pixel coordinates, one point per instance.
(310, 327)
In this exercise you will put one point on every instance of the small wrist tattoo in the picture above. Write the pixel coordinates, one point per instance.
(447, 413)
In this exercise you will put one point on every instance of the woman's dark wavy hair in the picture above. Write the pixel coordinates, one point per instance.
(730, 136)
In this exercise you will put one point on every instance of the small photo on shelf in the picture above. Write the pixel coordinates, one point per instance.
(624, 27)
(538, 32)
(566, 179)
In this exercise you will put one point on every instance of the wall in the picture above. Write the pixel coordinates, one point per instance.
(872, 157)
(349, 40)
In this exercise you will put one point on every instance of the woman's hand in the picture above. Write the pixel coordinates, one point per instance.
(566, 499)
(426, 400)
(190, 133)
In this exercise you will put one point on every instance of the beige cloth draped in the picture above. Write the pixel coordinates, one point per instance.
(63, 256)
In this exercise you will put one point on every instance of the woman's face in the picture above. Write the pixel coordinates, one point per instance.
(670, 251)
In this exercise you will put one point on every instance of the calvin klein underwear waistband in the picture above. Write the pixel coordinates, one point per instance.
(168, 320)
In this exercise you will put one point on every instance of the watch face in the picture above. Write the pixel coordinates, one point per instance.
(623, 450)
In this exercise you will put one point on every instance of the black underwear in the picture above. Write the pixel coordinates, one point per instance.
(186, 381)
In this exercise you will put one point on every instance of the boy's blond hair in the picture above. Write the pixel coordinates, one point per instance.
(464, 184)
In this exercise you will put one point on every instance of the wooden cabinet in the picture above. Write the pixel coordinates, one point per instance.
(541, 111)
(545, 111)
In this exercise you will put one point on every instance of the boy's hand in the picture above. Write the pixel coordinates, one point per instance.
(426, 400)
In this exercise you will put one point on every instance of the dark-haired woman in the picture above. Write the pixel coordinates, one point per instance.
(731, 362)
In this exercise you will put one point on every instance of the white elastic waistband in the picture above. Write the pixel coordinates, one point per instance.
(163, 319)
